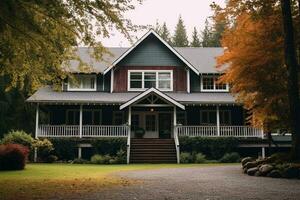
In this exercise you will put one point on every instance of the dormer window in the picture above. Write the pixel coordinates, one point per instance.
(139, 80)
(210, 84)
(82, 83)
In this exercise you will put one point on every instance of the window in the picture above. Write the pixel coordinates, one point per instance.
(82, 83)
(208, 117)
(225, 117)
(118, 118)
(150, 122)
(181, 118)
(89, 117)
(210, 83)
(141, 80)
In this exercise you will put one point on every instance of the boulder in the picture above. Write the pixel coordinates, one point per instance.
(274, 174)
(247, 159)
(249, 165)
(258, 173)
(252, 171)
(245, 170)
(265, 169)
(291, 172)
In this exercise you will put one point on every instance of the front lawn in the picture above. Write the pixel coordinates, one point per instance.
(44, 181)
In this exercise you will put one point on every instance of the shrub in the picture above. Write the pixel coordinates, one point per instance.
(99, 159)
(109, 146)
(13, 156)
(213, 148)
(185, 157)
(65, 148)
(230, 158)
(200, 158)
(50, 159)
(79, 161)
(18, 137)
(121, 157)
(44, 148)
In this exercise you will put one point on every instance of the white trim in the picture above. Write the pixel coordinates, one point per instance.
(151, 31)
(156, 91)
(214, 85)
(37, 121)
(80, 84)
(188, 86)
(218, 120)
(80, 121)
(111, 81)
(143, 80)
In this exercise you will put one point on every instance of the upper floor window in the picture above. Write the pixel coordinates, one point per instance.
(82, 83)
(141, 80)
(210, 83)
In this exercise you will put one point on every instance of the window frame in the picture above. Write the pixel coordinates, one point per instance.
(81, 83)
(221, 114)
(78, 110)
(214, 84)
(156, 80)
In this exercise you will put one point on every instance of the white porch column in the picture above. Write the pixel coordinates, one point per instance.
(175, 116)
(129, 116)
(188, 81)
(79, 152)
(218, 120)
(111, 80)
(80, 122)
(37, 121)
(129, 134)
(263, 152)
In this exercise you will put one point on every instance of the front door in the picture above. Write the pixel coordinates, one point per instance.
(165, 125)
(151, 125)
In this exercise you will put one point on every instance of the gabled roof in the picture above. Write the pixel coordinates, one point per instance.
(151, 31)
(151, 91)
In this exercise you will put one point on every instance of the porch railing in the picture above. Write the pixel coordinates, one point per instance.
(224, 131)
(87, 131)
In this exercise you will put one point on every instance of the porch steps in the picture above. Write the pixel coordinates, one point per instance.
(152, 151)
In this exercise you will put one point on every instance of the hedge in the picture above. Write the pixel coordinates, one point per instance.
(13, 156)
(213, 148)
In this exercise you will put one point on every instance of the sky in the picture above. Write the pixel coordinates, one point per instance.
(193, 12)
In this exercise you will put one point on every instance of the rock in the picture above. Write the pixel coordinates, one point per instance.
(265, 169)
(274, 174)
(291, 172)
(247, 159)
(245, 170)
(249, 165)
(258, 173)
(252, 171)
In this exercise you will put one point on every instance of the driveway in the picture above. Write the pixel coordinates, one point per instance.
(216, 182)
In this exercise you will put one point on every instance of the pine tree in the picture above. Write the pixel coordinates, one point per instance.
(180, 38)
(206, 35)
(195, 39)
(165, 33)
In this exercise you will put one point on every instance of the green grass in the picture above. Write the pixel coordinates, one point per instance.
(43, 181)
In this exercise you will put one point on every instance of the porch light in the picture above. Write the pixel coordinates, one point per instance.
(151, 109)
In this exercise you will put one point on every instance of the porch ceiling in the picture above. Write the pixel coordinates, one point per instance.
(48, 96)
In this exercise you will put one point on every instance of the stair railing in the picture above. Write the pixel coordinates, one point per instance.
(176, 140)
(128, 144)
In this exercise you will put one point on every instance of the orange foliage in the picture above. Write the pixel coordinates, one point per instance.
(256, 72)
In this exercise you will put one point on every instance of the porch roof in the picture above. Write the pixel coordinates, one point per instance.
(49, 96)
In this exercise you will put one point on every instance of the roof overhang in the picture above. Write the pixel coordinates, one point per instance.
(151, 31)
(151, 91)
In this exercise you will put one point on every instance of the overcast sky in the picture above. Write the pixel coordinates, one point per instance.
(193, 12)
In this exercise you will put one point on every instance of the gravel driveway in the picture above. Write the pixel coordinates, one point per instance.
(216, 182)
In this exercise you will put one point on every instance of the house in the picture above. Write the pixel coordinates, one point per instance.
(149, 88)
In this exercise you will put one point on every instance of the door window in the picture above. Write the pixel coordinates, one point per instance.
(150, 122)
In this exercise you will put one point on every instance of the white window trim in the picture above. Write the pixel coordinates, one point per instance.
(212, 90)
(143, 81)
(92, 110)
(84, 89)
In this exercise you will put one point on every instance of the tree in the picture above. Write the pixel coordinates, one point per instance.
(292, 75)
(195, 39)
(36, 37)
(165, 33)
(180, 38)
(206, 35)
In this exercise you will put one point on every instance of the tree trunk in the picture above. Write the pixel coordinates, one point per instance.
(292, 75)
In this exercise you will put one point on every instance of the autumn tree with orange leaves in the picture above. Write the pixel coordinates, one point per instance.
(254, 50)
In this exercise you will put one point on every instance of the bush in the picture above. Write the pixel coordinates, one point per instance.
(233, 157)
(50, 159)
(200, 158)
(185, 157)
(109, 146)
(18, 137)
(44, 148)
(121, 157)
(13, 156)
(79, 161)
(65, 148)
(99, 159)
(213, 148)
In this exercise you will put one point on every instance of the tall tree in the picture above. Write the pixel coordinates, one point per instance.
(180, 38)
(165, 33)
(195, 39)
(292, 75)
(206, 35)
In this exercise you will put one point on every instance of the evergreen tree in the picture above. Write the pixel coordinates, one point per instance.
(195, 39)
(212, 34)
(206, 35)
(180, 37)
(165, 33)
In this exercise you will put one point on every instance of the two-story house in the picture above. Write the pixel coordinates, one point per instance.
(165, 91)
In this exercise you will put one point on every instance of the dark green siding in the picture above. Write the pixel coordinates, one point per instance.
(151, 52)
(195, 82)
